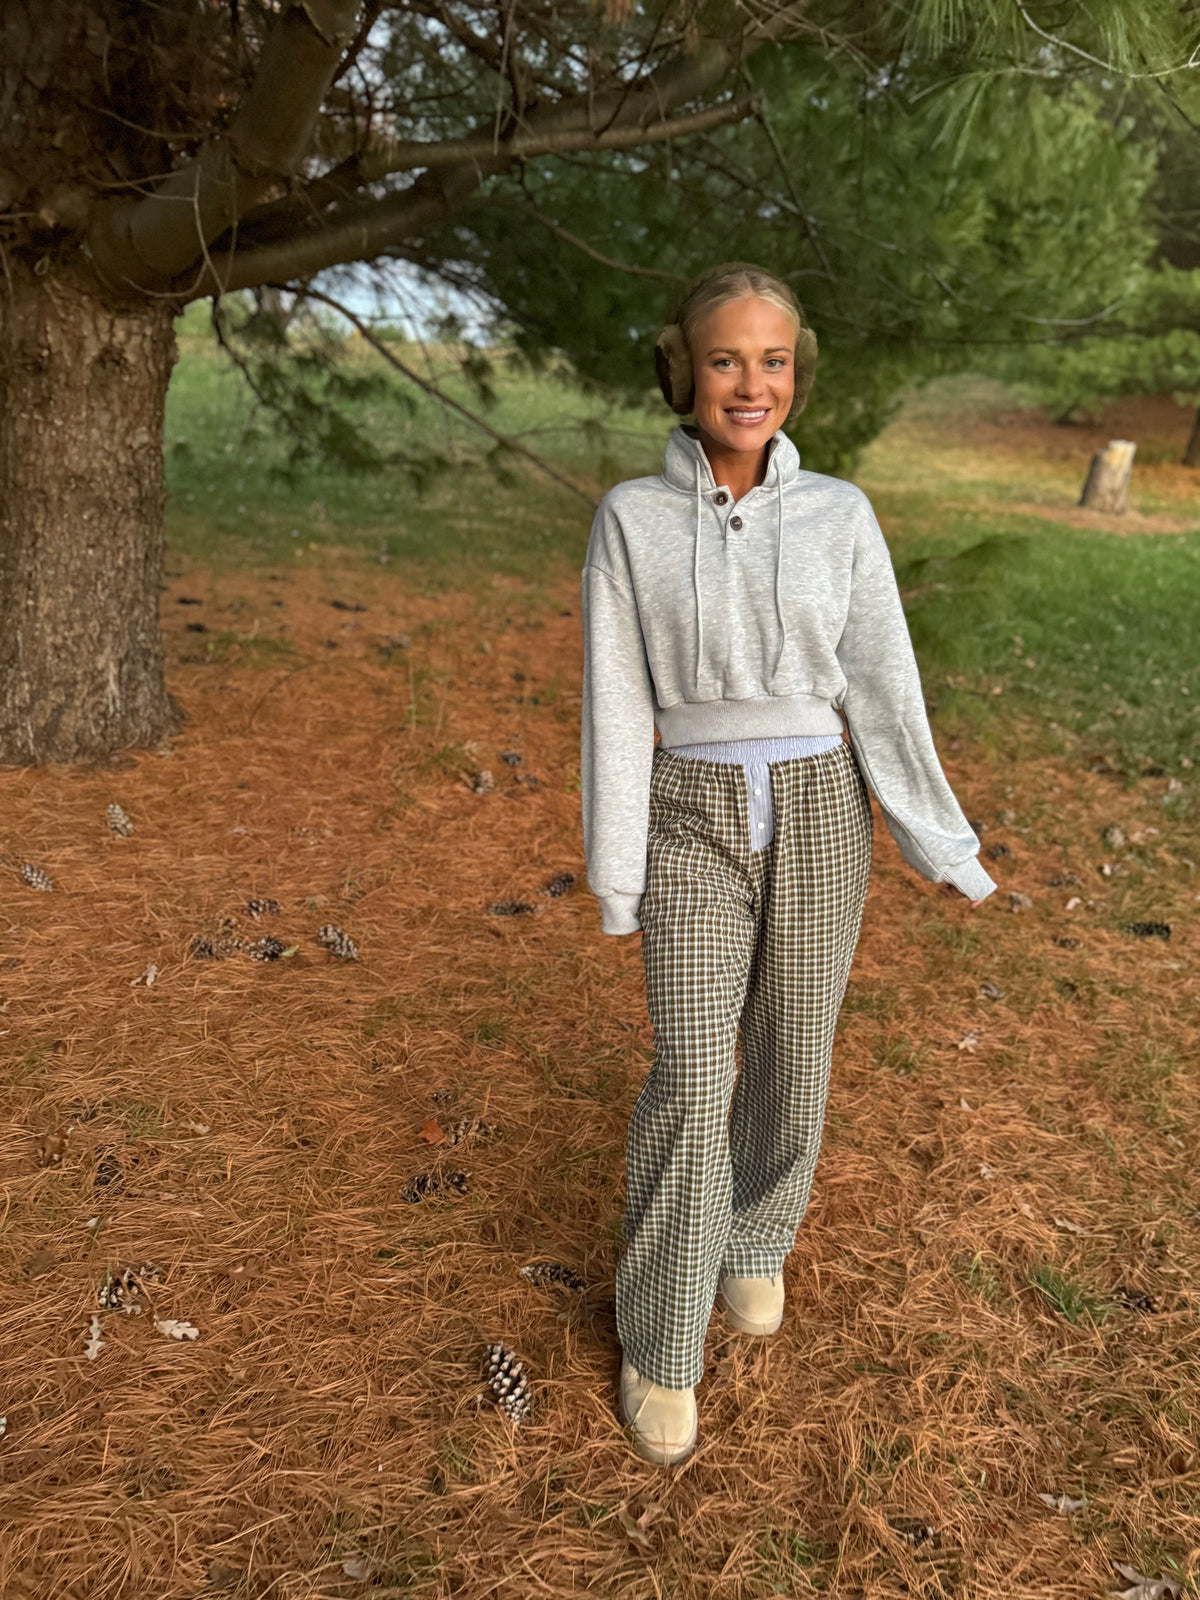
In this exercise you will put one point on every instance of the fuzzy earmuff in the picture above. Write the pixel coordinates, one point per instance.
(673, 364)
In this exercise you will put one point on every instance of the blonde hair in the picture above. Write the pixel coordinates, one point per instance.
(732, 280)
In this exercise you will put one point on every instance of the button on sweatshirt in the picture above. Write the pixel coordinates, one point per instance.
(774, 616)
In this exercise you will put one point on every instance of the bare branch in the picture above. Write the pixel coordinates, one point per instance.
(359, 231)
(528, 210)
(146, 243)
(432, 389)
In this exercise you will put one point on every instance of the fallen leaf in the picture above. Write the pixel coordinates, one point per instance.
(968, 1042)
(986, 1172)
(147, 977)
(195, 1127)
(1145, 1588)
(172, 1329)
(95, 1343)
(638, 1528)
(1062, 1502)
(1070, 1227)
(1027, 1210)
(964, 1103)
(52, 1147)
(357, 1567)
(991, 991)
(221, 1576)
(1019, 902)
(1074, 902)
(432, 1132)
(41, 1261)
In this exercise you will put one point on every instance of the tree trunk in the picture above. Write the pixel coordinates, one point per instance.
(83, 384)
(1107, 482)
(1191, 456)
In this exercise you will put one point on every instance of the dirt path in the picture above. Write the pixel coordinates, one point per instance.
(1012, 1097)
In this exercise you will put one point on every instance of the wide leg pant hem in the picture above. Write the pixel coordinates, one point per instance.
(720, 1161)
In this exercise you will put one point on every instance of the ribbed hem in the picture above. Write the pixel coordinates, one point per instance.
(969, 878)
(619, 912)
(760, 717)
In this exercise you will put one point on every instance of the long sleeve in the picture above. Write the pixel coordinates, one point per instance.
(616, 749)
(889, 730)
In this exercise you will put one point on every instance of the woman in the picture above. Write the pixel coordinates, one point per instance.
(747, 609)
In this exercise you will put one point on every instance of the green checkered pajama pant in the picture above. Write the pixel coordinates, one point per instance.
(720, 1162)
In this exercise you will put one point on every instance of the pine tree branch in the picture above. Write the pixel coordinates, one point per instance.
(146, 243)
(541, 137)
(364, 229)
(434, 392)
(528, 210)
(617, 119)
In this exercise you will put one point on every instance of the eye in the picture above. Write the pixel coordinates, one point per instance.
(780, 361)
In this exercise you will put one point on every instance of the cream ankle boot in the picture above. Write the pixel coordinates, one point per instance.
(754, 1305)
(664, 1421)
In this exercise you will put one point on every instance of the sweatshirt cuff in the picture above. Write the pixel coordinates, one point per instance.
(619, 912)
(969, 878)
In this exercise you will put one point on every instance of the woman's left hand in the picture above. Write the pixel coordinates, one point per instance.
(952, 892)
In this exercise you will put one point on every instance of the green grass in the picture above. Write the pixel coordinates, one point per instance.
(1089, 630)
(232, 500)
(1086, 634)
(1067, 1298)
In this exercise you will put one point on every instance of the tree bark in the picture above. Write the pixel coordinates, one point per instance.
(1191, 455)
(83, 384)
(1107, 482)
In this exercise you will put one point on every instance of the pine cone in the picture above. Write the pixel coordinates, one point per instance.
(215, 947)
(341, 944)
(472, 1129)
(562, 884)
(263, 908)
(427, 1184)
(109, 1171)
(124, 1291)
(553, 1275)
(511, 758)
(36, 877)
(119, 820)
(508, 908)
(483, 782)
(268, 948)
(507, 1380)
(1146, 930)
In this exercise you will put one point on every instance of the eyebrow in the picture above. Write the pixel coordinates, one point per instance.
(729, 350)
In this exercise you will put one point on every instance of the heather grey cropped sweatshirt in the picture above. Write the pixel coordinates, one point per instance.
(776, 614)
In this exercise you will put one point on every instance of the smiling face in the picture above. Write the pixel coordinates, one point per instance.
(743, 362)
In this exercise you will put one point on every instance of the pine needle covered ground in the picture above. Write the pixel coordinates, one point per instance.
(261, 1218)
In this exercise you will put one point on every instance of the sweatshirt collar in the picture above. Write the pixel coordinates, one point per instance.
(684, 453)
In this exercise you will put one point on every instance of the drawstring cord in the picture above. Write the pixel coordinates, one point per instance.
(778, 563)
(696, 576)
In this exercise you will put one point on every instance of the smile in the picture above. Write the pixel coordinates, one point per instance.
(749, 416)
